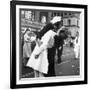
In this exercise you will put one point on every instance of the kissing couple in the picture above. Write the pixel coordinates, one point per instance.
(42, 59)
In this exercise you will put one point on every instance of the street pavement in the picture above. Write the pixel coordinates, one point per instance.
(69, 65)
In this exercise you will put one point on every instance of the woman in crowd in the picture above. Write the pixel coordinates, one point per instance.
(26, 46)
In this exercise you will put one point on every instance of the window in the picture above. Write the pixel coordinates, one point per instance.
(55, 14)
(70, 14)
(69, 22)
(65, 13)
(77, 23)
(29, 15)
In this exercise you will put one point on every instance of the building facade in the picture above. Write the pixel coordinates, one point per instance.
(36, 19)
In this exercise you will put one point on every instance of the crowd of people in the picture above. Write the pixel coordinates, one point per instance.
(40, 48)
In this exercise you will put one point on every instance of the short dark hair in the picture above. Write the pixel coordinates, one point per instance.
(46, 28)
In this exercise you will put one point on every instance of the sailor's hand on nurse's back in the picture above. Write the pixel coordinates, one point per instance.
(62, 28)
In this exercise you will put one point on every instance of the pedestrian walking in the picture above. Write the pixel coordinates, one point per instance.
(77, 46)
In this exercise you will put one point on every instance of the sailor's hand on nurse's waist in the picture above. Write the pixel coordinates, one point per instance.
(36, 56)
